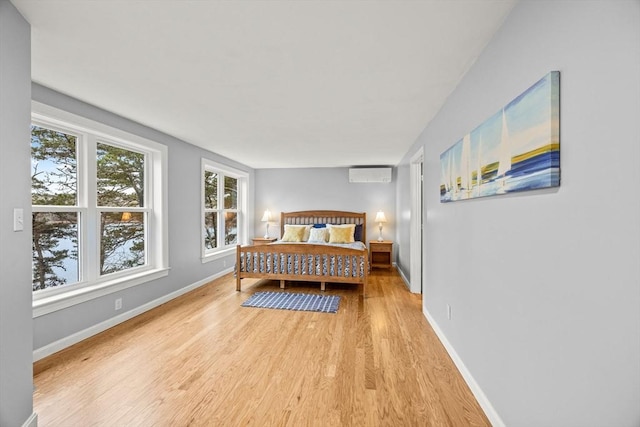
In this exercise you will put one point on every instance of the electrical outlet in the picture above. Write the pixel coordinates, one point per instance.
(118, 303)
(448, 312)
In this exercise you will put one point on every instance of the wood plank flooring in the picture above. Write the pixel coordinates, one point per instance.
(202, 360)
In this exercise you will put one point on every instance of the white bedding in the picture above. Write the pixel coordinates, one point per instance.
(354, 245)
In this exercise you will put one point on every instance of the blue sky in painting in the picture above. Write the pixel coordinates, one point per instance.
(529, 122)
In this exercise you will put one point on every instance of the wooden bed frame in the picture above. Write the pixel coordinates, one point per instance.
(312, 254)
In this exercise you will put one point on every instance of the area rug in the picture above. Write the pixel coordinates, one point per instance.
(291, 301)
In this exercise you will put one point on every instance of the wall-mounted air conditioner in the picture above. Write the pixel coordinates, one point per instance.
(369, 175)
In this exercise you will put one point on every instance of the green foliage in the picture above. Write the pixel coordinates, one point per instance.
(224, 209)
(53, 184)
(120, 184)
(57, 186)
(48, 230)
(210, 190)
(122, 242)
(120, 176)
(230, 193)
(210, 230)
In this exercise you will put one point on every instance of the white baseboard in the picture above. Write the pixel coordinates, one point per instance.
(68, 341)
(404, 277)
(482, 399)
(32, 421)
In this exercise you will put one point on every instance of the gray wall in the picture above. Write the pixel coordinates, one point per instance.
(284, 190)
(544, 286)
(403, 213)
(16, 375)
(184, 228)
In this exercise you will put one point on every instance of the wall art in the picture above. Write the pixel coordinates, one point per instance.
(516, 149)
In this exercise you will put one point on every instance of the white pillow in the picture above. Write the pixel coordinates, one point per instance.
(318, 235)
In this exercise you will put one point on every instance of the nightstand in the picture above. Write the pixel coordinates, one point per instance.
(263, 240)
(380, 253)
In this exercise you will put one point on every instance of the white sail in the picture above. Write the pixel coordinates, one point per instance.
(465, 163)
(453, 174)
(505, 150)
(444, 175)
(479, 165)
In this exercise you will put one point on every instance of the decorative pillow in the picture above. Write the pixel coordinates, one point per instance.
(307, 229)
(357, 235)
(293, 233)
(318, 235)
(351, 226)
(319, 225)
(341, 233)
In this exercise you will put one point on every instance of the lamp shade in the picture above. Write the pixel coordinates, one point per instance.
(380, 217)
(266, 217)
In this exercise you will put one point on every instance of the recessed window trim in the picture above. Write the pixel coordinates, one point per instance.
(89, 133)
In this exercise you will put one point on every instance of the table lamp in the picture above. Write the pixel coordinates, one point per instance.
(380, 218)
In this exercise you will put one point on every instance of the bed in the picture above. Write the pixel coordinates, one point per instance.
(305, 256)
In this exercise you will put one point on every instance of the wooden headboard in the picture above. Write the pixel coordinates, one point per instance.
(324, 217)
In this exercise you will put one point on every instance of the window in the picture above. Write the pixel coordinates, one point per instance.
(97, 209)
(121, 189)
(54, 197)
(223, 204)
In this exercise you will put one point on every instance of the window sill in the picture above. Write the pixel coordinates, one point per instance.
(220, 254)
(64, 300)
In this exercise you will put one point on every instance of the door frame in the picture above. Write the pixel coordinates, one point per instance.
(417, 218)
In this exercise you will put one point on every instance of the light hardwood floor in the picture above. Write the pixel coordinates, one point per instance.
(202, 360)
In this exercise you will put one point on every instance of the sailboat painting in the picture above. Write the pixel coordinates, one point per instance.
(516, 149)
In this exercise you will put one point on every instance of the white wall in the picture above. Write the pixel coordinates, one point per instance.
(16, 373)
(545, 286)
(285, 190)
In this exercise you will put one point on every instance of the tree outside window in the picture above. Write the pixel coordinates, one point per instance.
(54, 184)
(120, 185)
(221, 209)
(60, 216)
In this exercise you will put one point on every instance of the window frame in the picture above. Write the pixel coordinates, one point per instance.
(223, 171)
(91, 285)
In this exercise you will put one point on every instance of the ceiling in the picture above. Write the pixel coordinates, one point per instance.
(271, 84)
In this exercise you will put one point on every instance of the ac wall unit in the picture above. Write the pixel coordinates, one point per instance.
(369, 175)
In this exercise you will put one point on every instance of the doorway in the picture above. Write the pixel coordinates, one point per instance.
(417, 221)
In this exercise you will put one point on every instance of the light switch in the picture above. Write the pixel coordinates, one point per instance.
(18, 219)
